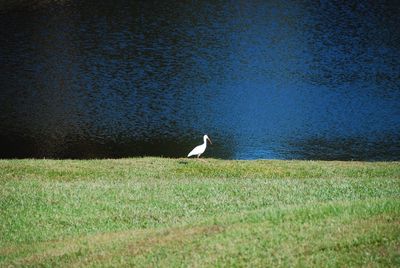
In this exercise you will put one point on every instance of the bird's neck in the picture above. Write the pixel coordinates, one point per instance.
(205, 142)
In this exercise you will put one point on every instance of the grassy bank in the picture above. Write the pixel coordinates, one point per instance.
(179, 212)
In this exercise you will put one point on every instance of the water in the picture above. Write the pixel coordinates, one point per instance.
(264, 79)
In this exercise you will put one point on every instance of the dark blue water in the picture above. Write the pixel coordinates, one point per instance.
(264, 79)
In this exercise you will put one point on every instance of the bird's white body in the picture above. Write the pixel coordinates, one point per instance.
(198, 150)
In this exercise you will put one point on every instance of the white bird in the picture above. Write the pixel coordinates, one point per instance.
(198, 150)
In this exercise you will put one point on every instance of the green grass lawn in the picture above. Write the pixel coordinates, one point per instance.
(180, 212)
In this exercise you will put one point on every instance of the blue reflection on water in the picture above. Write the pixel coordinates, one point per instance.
(265, 79)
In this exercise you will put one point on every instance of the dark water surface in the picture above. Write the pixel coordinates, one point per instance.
(264, 79)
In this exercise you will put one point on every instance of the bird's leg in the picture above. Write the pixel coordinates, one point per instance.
(200, 159)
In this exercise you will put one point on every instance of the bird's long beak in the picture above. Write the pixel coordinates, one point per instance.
(209, 140)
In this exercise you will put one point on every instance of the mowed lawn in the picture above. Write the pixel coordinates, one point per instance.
(200, 213)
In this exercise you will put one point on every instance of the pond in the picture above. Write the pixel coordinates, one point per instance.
(264, 79)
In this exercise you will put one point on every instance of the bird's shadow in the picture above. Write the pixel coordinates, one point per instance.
(183, 162)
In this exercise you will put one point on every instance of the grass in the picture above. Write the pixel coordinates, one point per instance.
(178, 212)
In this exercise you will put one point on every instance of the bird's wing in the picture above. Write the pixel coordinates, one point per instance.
(195, 151)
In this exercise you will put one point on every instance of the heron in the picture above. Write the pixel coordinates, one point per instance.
(198, 150)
